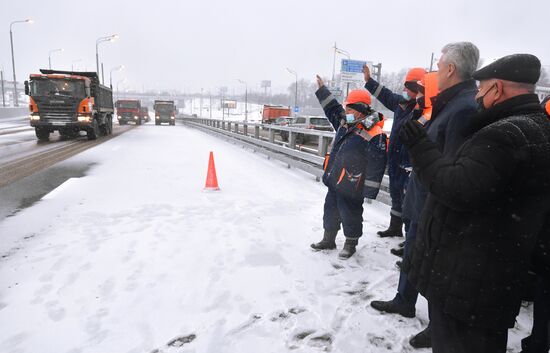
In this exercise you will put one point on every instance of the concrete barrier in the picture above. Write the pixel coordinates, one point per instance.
(13, 112)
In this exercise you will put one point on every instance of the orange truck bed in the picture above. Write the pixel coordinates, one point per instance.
(272, 112)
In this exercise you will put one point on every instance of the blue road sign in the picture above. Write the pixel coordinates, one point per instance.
(296, 109)
(355, 66)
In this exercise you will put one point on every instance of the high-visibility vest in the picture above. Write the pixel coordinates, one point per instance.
(369, 134)
(547, 108)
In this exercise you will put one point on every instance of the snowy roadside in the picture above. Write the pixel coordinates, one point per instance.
(135, 257)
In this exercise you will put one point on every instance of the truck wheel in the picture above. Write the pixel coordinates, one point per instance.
(157, 123)
(138, 122)
(42, 134)
(109, 125)
(93, 131)
(284, 136)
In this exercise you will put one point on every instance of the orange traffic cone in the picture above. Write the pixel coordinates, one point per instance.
(211, 178)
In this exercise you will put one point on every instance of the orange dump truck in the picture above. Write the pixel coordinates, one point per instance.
(272, 112)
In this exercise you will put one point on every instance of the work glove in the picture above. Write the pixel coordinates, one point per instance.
(411, 133)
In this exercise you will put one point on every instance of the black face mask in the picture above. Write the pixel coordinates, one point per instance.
(480, 106)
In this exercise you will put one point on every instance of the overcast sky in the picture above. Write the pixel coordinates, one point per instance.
(192, 44)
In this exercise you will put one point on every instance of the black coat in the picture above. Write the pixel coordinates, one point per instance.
(486, 209)
(453, 109)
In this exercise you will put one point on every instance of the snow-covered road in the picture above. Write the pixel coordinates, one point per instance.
(135, 257)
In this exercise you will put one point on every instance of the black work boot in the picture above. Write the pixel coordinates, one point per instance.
(349, 249)
(328, 242)
(399, 264)
(423, 339)
(398, 251)
(395, 228)
(394, 307)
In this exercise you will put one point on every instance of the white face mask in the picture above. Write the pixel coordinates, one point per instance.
(350, 118)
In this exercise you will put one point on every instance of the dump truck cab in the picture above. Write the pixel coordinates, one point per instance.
(129, 110)
(165, 112)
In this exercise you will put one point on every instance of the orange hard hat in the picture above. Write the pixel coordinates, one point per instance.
(415, 74)
(358, 96)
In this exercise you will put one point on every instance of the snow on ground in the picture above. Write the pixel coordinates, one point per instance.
(135, 257)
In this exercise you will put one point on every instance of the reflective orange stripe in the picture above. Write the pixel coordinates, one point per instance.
(548, 107)
(325, 163)
(341, 175)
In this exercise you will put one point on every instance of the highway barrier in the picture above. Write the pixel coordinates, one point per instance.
(262, 138)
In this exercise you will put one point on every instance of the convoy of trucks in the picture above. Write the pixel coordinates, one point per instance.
(69, 102)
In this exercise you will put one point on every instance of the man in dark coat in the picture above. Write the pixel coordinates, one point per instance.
(355, 167)
(402, 106)
(453, 109)
(486, 209)
(539, 339)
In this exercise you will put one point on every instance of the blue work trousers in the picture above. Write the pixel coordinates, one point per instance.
(341, 210)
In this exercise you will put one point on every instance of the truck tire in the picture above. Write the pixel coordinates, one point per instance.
(301, 139)
(42, 134)
(284, 136)
(157, 123)
(138, 122)
(107, 127)
(93, 132)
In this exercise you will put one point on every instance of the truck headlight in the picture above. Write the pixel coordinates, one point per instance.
(157, 117)
(172, 117)
(34, 117)
(119, 117)
(83, 119)
(136, 117)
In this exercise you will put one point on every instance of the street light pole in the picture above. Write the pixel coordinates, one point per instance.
(50, 56)
(15, 98)
(245, 100)
(118, 68)
(119, 81)
(2, 81)
(296, 88)
(343, 52)
(97, 42)
(74, 61)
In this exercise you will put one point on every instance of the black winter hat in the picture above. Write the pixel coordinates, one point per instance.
(360, 107)
(414, 86)
(524, 68)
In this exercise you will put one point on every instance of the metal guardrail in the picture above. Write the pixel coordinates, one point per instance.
(250, 135)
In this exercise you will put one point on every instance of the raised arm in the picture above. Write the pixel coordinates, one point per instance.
(389, 99)
(333, 110)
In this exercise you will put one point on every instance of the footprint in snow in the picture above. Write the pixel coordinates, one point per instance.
(310, 338)
(180, 341)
